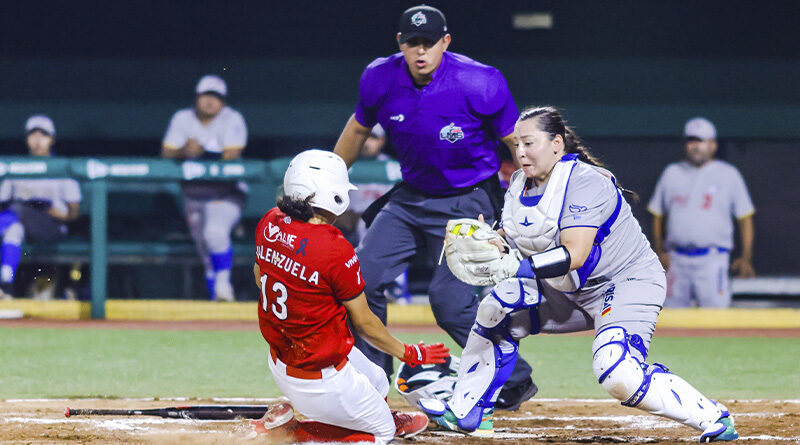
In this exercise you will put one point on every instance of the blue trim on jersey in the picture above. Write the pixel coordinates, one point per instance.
(529, 201)
(525, 270)
(585, 271)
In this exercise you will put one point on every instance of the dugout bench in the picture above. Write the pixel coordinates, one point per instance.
(137, 180)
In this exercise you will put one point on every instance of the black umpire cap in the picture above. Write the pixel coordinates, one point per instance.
(423, 21)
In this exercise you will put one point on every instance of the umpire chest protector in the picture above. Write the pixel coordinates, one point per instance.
(531, 222)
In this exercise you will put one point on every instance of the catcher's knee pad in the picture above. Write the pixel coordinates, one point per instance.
(617, 371)
(651, 388)
(506, 297)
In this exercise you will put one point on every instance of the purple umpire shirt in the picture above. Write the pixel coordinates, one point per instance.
(446, 133)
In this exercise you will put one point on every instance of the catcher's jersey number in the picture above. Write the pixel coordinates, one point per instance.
(282, 294)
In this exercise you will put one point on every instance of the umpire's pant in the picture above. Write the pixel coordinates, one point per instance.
(408, 223)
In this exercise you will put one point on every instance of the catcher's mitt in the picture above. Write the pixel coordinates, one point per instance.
(469, 252)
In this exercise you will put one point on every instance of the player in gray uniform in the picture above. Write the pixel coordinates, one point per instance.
(578, 260)
(34, 209)
(210, 130)
(697, 197)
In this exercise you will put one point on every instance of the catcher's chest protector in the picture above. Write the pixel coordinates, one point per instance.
(533, 226)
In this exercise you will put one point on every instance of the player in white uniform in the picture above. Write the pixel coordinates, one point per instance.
(210, 130)
(578, 261)
(34, 209)
(698, 198)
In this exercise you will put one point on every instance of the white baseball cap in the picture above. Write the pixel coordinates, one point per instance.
(212, 84)
(42, 123)
(700, 128)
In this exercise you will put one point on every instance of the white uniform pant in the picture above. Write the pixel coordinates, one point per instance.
(351, 398)
(703, 278)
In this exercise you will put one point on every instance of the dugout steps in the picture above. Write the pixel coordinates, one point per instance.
(182, 310)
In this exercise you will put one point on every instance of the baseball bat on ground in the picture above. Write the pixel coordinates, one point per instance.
(202, 412)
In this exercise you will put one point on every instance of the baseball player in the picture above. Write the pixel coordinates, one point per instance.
(210, 130)
(311, 285)
(447, 116)
(578, 260)
(34, 209)
(698, 197)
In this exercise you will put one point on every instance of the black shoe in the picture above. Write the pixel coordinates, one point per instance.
(510, 399)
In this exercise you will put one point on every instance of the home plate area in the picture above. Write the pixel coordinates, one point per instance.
(558, 421)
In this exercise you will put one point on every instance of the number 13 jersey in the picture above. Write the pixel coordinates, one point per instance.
(307, 271)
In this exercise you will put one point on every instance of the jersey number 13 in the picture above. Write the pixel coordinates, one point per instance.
(282, 294)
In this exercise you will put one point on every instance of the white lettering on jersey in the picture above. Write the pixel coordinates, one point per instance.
(289, 265)
(351, 261)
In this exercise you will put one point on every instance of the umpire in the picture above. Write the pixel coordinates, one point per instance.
(447, 116)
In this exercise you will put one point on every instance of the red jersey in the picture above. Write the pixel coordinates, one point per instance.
(307, 271)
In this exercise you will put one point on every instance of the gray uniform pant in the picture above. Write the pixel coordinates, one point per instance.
(210, 223)
(632, 301)
(407, 224)
(700, 277)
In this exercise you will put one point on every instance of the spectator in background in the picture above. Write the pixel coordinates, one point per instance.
(698, 197)
(211, 130)
(34, 209)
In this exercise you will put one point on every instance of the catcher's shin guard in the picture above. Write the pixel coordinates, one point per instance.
(651, 388)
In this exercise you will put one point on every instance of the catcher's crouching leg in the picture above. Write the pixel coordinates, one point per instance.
(653, 388)
(489, 356)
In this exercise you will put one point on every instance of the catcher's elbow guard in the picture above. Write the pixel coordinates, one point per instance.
(548, 264)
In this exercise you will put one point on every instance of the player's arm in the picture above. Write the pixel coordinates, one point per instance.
(658, 239)
(231, 153)
(257, 275)
(191, 149)
(744, 264)
(73, 210)
(351, 140)
(370, 327)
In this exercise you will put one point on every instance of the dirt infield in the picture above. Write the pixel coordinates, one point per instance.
(227, 325)
(541, 421)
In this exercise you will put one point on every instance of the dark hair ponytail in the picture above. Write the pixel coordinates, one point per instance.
(297, 208)
(550, 121)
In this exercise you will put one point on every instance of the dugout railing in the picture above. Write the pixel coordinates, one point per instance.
(101, 176)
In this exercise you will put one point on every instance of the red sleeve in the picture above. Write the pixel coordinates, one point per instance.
(345, 272)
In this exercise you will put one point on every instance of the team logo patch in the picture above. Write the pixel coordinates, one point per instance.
(574, 208)
(451, 133)
(608, 297)
(273, 234)
(398, 117)
(526, 223)
(419, 19)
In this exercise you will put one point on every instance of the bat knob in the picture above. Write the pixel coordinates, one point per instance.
(66, 412)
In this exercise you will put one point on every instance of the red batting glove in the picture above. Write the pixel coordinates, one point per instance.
(422, 354)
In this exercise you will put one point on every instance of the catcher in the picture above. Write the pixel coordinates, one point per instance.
(577, 260)
(311, 285)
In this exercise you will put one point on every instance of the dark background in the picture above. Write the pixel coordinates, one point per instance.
(627, 74)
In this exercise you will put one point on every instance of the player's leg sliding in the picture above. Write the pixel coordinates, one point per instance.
(653, 388)
(486, 362)
(280, 426)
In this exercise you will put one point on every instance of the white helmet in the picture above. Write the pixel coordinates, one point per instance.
(323, 174)
(427, 381)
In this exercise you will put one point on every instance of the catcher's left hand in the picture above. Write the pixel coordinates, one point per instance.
(471, 249)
